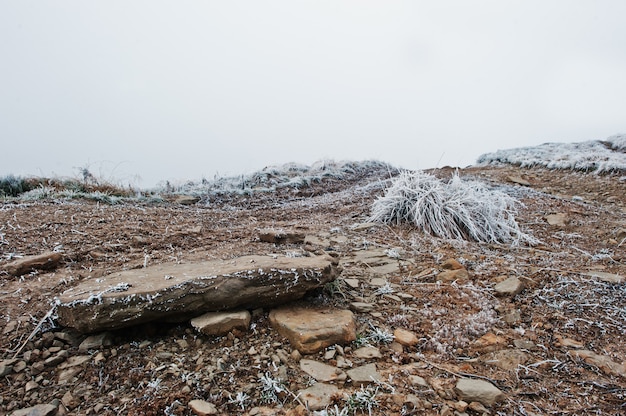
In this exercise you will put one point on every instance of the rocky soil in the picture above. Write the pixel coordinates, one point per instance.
(440, 327)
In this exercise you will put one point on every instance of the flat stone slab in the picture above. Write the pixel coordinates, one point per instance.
(176, 292)
(310, 330)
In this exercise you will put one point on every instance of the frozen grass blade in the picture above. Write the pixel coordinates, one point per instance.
(457, 209)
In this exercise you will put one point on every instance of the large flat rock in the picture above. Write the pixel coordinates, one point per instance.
(181, 291)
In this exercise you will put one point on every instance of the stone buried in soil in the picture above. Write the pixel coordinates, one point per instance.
(310, 330)
(45, 261)
(180, 291)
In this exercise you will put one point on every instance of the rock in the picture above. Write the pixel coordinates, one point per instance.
(180, 291)
(404, 337)
(418, 381)
(510, 287)
(603, 362)
(449, 276)
(524, 344)
(221, 323)
(321, 372)
(608, 277)
(45, 261)
(562, 341)
(508, 359)
(362, 307)
(558, 220)
(6, 367)
(281, 236)
(364, 374)
(186, 199)
(518, 180)
(513, 317)
(353, 283)
(31, 385)
(202, 408)
(318, 396)
(364, 226)
(39, 410)
(69, 401)
(481, 391)
(490, 342)
(367, 353)
(311, 330)
(452, 264)
(74, 361)
(95, 342)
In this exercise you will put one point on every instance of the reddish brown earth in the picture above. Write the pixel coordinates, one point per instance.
(462, 327)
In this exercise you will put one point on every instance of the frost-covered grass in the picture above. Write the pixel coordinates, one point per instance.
(269, 179)
(456, 209)
(605, 156)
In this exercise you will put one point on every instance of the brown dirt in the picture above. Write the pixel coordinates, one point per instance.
(149, 369)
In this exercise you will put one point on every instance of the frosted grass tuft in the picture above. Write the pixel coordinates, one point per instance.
(456, 209)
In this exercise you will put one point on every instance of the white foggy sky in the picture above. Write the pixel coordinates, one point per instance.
(185, 89)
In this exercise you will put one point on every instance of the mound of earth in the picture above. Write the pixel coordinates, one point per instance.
(432, 326)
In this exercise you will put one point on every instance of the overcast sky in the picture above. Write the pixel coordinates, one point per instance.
(143, 91)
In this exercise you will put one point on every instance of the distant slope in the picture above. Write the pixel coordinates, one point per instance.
(600, 156)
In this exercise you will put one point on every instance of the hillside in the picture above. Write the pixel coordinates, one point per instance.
(553, 343)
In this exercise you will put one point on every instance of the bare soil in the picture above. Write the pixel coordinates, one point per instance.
(462, 326)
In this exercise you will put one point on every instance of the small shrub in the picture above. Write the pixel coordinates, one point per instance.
(455, 209)
(13, 186)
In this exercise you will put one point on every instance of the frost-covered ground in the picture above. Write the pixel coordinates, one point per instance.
(271, 178)
(600, 156)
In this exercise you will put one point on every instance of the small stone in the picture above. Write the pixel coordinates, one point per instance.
(364, 374)
(31, 385)
(510, 287)
(202, 408)
(322, 372)
(471, 390)
(478, 408)
(330, 354)
(6, 367)
(452, 264)
(221, 323)
(608, 277)
(281, 236)
(94, 342)
(449, 276)
(405, 337)
(318, 396)
(353, 283)
(558, 219)
(418, 381)
(362, 307)
(508, 359)
(603, 362)
(19, 366)
(39, 410)
(378, 281)
(518, 180)
(69, 401)
(186, 199)
(513, 317)
(524, 344)
(562, 341)
(367, 352)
